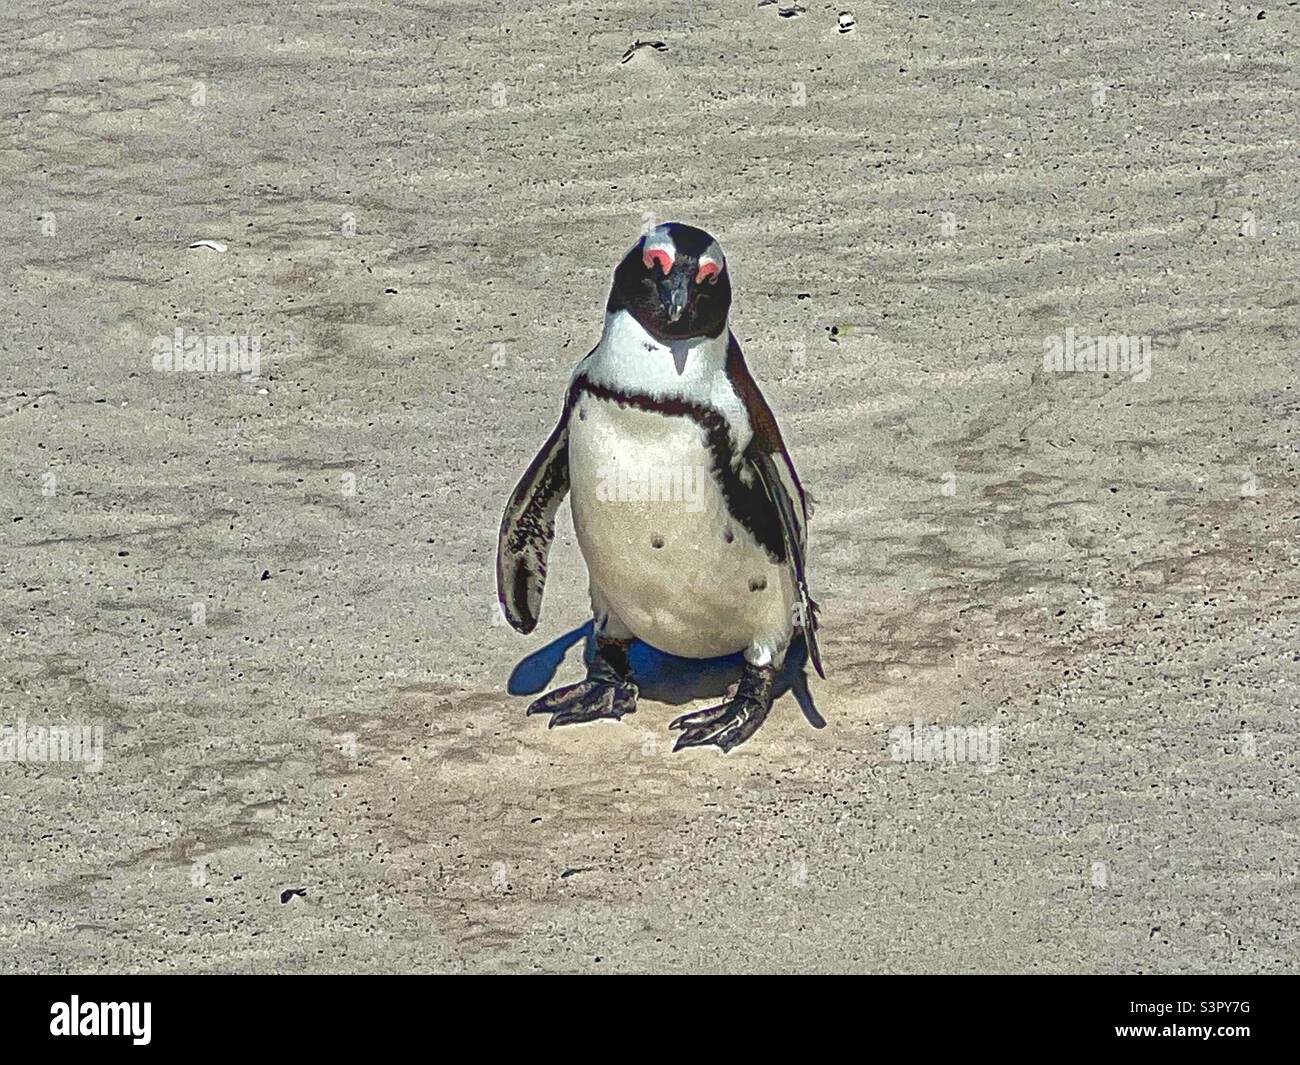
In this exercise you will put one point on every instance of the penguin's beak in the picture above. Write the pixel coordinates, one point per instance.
(675, 291)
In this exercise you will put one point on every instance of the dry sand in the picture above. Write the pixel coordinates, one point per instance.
(422, 204)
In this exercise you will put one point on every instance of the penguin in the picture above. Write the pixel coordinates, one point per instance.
(685, 501)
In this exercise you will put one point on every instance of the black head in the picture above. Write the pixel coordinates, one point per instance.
(674, 282)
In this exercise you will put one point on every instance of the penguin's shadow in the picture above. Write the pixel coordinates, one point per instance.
(665, 678)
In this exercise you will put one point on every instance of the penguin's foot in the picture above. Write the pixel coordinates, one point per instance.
(588, 700)
(608, 691)
(734, 721)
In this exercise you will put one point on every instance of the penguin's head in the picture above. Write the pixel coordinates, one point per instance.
(674, 282)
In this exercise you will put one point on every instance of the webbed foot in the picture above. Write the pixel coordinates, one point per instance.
(733, 722)
(588, 700)
(608, 691)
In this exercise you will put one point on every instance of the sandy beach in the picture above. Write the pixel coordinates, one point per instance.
(1021, 283)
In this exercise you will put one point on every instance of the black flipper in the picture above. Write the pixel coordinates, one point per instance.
(763, 463)
(528, 527)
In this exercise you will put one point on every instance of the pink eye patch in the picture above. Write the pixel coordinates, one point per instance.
(657, 257)
(709, 272)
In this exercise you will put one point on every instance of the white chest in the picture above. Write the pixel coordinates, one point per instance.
(659, 542)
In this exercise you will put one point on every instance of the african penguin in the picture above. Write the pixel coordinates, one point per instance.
(685, 502)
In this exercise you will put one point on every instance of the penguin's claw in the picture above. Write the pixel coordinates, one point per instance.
(734, 721)
(588, 700)
(701, 719)
(724, 726)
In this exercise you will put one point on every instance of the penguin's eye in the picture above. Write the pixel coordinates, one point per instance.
(709, 271)
(659, 257)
